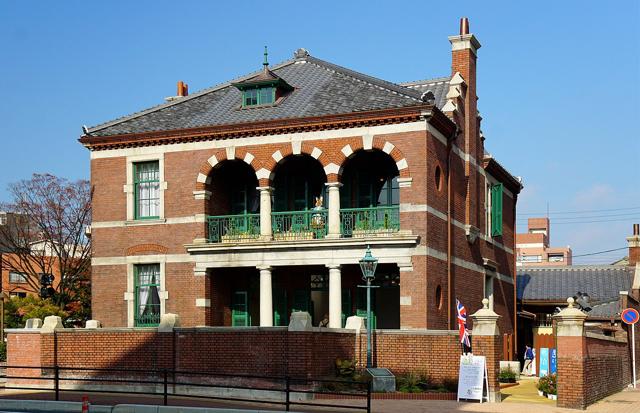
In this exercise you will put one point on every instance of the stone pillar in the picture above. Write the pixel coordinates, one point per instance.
(488, 342)
(571, 348)
(265, 212)
(333, 189)
(335, 296)
(266, 299)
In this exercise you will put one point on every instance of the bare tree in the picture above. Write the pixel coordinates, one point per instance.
(44, 233)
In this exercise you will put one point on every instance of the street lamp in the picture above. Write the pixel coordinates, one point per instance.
(368, 266)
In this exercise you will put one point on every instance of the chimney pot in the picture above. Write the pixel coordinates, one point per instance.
(464, 26)
(180, 88)
(186, 90)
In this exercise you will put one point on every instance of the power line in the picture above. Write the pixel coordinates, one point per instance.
(599, 252)
(632, 214)
(542, 214)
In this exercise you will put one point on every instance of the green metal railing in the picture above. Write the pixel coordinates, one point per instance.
(297, 225)
(356, 222)
(150, 318)
(233, 228)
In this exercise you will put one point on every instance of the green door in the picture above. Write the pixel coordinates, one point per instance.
(361, 306)
(346, 305)
(240, 309)
(280, 314)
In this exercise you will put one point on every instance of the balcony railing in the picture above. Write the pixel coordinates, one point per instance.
(150, 318)
(374, 221)
(233, 228)
(299, 225)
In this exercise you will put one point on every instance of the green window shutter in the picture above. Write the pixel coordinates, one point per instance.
(346, 305)
(301, 300)
(496, 209)
(240, 309)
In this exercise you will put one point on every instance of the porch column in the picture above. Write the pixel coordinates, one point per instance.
(335, 296)
(265, 212)
(266, 299)
(333, 189)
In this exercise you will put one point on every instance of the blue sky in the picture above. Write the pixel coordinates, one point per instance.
(559, 82)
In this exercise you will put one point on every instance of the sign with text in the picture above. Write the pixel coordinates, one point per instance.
(544, 362)
(472, 378)
(553, 360)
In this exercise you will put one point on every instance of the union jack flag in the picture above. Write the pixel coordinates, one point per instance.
(462, 324)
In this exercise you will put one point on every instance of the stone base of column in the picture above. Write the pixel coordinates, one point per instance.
(333, 236)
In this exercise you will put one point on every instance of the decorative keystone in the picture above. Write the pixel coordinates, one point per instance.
(168, 322)
(51, 323)
(485, 321)
(570, 321)
(33, 323)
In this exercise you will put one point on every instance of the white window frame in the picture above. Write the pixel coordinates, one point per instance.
(129, 187)
(489, 181)
(23, 275)
(488, 289)
(129, 295)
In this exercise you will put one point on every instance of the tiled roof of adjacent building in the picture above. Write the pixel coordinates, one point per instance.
(321, 88)
(556, 284)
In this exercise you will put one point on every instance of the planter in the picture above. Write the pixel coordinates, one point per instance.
(235, 239)
(552, 396)
(291, 236)
(540, 393)
(364, 233)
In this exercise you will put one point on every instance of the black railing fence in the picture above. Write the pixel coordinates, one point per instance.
(167, 383)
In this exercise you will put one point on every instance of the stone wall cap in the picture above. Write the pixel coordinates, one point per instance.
(571, 312)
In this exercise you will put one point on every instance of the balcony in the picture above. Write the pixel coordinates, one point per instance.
(367, 222)
(312, 224)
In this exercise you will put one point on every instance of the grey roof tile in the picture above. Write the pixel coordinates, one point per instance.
(321, 88)
(602, 283)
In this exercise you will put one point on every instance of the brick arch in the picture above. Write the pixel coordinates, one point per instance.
(350, 150)
(220, 155)
(266, 172)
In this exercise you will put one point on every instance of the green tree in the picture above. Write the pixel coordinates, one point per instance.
(18, 310)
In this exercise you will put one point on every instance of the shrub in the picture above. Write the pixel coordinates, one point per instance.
(413, 383)
(507, 375)
(345, 369)
(552, 384)
(18, 310)
(543, 384)
(3, 350)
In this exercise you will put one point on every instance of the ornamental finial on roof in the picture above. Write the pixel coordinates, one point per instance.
(266, 62)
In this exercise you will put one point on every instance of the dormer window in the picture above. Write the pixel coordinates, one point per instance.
(263, 89)
(265, 95)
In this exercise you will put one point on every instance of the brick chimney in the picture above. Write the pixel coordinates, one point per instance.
(634, 245)
(464, 50)
(183, 90)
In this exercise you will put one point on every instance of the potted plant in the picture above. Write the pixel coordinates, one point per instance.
(543, 385)
(552, 388)
(507, 376)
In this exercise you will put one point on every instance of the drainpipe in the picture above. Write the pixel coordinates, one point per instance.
(450, 282)
(515, 283)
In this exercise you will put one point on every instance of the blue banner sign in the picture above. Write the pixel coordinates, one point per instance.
(553, 358)
(544, 361)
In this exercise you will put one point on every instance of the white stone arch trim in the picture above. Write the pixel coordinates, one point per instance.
(229, 154)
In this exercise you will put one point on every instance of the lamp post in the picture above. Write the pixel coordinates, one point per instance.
(368, 266)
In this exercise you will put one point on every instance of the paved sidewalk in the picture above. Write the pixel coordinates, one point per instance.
(627, 401)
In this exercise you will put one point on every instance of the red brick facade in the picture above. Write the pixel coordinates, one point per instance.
(442, 197)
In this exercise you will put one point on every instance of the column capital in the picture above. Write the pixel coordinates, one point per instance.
(333, 266)
(264, 267)
(333, 184)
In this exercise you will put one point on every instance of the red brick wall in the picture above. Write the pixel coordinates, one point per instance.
(591, 368)
(269, 352)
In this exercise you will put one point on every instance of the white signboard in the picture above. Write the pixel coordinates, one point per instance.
(472, 378)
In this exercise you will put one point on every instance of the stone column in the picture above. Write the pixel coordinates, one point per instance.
(265, 212)
(333, 189)
(571, 357)
(335, 296)
(487, 342)
(266, 299)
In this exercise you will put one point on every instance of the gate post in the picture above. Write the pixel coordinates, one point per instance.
(487, 342)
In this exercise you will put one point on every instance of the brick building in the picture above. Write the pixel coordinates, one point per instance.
(533, 247)
(241, 203)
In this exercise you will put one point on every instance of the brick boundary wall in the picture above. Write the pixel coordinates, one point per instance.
(591, 367)
(242, 351)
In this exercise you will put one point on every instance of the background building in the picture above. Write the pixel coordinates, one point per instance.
(533, 247)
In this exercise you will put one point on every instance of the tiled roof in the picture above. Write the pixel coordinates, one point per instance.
(321, 88)
(602, 283)
(607, 309)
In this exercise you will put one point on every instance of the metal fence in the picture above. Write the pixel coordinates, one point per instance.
(375, 221)
(299, 225)
(233, 228)
(169, 384)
